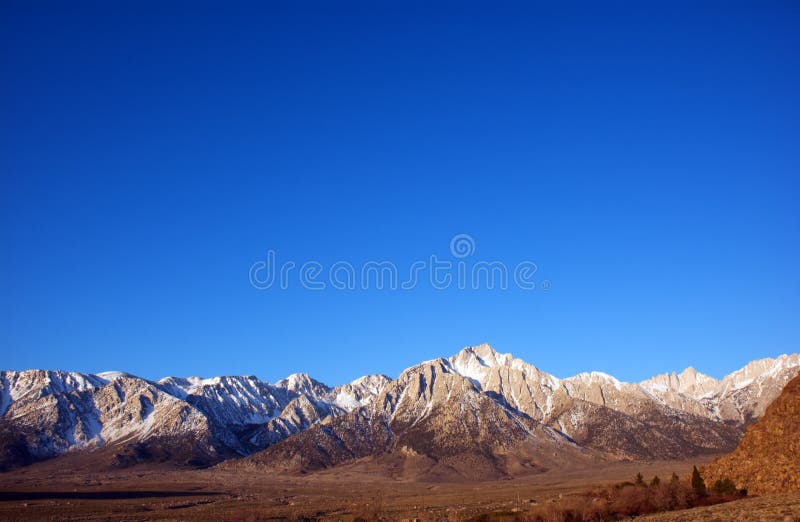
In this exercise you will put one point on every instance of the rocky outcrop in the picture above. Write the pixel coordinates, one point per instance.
(767, 460)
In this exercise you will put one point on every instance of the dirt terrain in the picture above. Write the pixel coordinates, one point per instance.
(769, 508)
(63, 490)
(54, 490)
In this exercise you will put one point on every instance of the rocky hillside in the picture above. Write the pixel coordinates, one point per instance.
(486, 414)
(478, 409)
(434, 420)
(191, 421)
(767, 460)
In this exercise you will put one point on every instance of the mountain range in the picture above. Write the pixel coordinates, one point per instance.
(478, 412)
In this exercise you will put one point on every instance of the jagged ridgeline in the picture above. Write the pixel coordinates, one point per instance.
(475, 413)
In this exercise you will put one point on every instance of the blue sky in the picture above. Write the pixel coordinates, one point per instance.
(645, 158)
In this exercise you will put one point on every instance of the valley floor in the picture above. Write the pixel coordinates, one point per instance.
(53, 491)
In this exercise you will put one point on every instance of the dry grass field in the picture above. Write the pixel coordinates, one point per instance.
(780, 508)
(56, 490)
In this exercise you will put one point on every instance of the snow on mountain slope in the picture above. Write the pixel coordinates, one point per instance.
(302, 384)
(359, 392)
(740, 396)
(231, 400)
(477, 392)
(434, 409)
(431, 418)
(594, 408)
(689, 382)
(761, 369)
(51, 412)
(45, 382)
(59, 411)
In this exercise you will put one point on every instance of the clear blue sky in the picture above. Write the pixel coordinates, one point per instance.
(645, 158)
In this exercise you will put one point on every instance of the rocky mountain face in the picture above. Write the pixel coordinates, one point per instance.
(740, 397)
(767, 460)
(597, 411)
(432, 419)
(193, 421)
(477, 412)
(481, 412)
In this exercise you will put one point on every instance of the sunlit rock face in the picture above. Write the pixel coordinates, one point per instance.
(767, 460)
(500, 410)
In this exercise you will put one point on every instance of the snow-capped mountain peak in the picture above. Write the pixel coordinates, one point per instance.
(302, 383)
(50, 412)
(689, 382)
(372, 383)
(477, 362)
(595, 377)
(761, 367)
